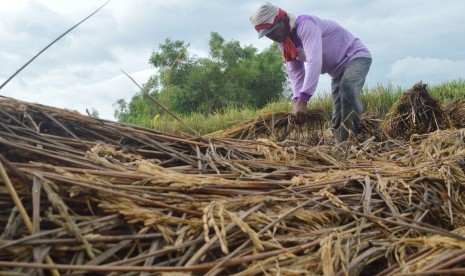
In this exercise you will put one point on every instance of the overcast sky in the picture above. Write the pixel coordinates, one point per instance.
(410, 41)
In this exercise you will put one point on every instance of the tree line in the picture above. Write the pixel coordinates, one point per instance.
(230, 76)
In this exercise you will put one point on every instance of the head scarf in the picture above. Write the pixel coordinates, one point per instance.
(265, 19)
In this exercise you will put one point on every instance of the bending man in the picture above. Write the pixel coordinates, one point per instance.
(312, 46)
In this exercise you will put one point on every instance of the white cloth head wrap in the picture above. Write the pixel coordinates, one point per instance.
(264, 18)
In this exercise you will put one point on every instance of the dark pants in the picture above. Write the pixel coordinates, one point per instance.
(345, 93)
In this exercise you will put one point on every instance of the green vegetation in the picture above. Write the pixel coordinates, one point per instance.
(231, 76)
(377, 100)
(236, 83)
(447, 91)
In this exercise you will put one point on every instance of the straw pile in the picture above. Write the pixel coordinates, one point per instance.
(455, 113)
(416, 112)
(82, 195)
(277, 126)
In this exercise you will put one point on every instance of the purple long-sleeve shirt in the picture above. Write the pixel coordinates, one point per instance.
(324, 47)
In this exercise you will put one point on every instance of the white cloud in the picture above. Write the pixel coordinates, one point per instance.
(100, 94)
(429, 70)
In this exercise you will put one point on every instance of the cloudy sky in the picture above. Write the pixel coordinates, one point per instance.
(410, 41)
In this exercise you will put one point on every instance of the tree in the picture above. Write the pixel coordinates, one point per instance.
(231, 76)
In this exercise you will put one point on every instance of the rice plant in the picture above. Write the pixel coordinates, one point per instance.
(448, 91)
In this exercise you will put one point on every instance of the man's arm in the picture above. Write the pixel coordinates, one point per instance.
(311, 37)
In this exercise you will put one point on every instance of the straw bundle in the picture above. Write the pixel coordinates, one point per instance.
(78, 194)
(416, 112)
(278, 126)
(455, 113)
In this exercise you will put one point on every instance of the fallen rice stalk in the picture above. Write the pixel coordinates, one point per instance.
(136, 197)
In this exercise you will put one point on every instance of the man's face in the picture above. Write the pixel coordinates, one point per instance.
(278, 34)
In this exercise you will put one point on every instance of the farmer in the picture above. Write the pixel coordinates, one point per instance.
(312, 46)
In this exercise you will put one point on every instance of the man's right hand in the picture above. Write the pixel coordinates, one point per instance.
(300, 111)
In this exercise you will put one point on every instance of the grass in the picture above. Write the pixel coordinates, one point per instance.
(204, 123)
(377, 99)
(447, 91)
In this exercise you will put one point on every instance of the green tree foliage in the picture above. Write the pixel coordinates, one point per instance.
(231, 76)
(93, 112)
